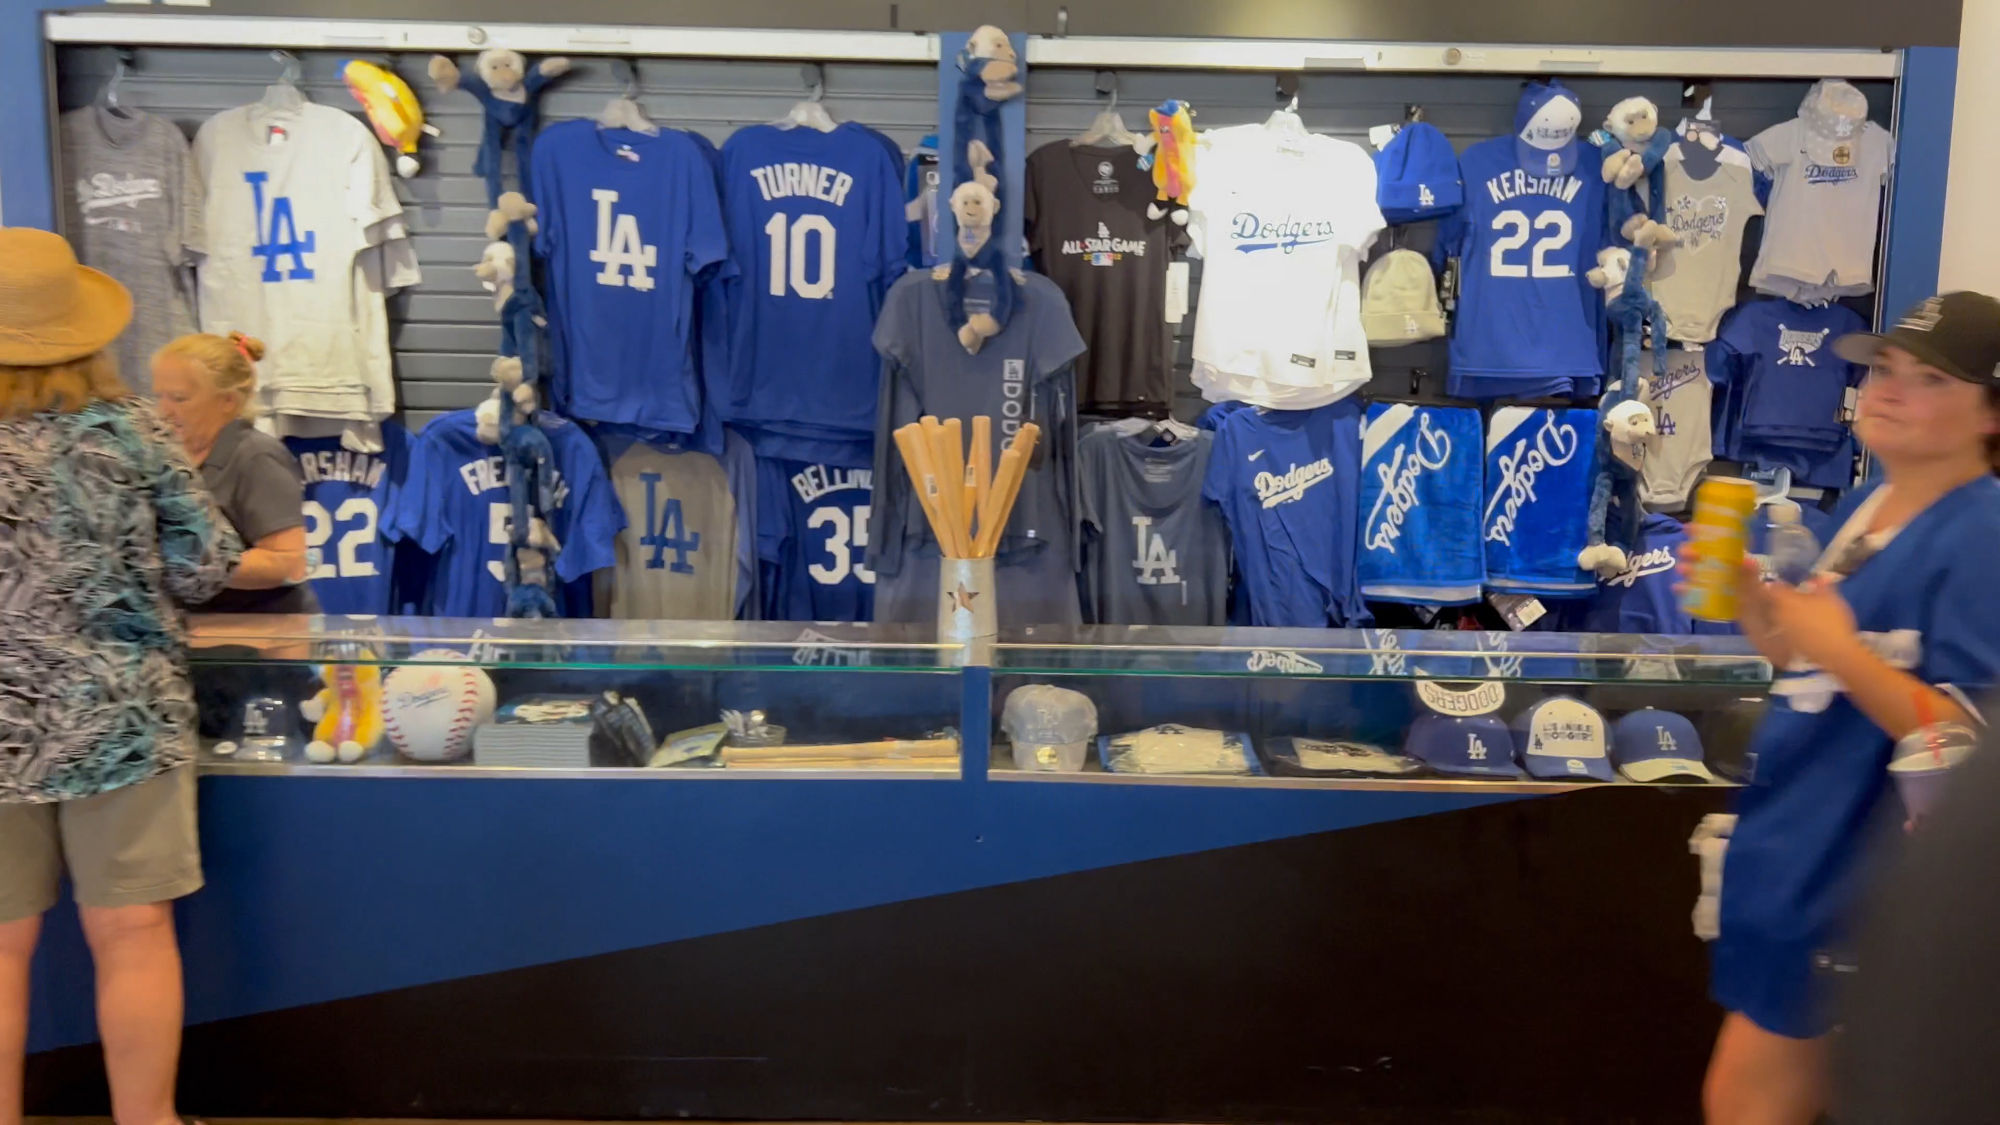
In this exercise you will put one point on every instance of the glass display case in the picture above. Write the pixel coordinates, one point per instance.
(1373, 708)
(369, 696)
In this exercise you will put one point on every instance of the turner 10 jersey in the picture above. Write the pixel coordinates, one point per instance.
(817, 231)
(812, 538)
(349, 500)
(455, 504)
(1528, 321)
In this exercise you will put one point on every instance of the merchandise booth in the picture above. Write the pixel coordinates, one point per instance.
(1330, 787)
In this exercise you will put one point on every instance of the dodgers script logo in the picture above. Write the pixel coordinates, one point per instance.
(109, 200)
(1699, 222)
(1283, 488)
(1287, 234)
(619, 247)
(1800, 346)
(1157, 564)
(1554, 445)
(1430, 452)
(1282, 660)
(1679, 374)
(1659, 560)
(279, 234)
(1830, 174)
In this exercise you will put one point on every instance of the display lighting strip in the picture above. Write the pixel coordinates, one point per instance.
(136, 29)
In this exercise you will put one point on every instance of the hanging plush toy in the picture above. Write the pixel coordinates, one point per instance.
(988, 69)
(1171, 160)
(1628, 423)
(346, 713)
(512, 96)
(974, 209)
(1634, 146)
(391, 108)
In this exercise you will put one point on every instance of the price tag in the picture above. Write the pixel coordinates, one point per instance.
(1177, 292)
(1520, 610)
(1380, 135)
(1848, 403)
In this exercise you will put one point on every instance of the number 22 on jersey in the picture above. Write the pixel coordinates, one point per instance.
(1554, 230)
(356, 518)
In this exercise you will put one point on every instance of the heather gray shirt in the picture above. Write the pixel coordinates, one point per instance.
(133, 211)
(1155, 551)
(677, 557)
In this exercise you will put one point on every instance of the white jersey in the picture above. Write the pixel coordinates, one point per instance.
(1825, 210)
(1281, 222)
(305, 236)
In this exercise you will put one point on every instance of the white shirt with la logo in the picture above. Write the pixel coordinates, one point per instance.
(305, 239)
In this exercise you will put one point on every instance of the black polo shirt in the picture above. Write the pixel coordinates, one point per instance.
(258, 487)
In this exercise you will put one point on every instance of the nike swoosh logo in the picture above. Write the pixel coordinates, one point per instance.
(1256, 455)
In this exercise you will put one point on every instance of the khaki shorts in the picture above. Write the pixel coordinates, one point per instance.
(128, 847)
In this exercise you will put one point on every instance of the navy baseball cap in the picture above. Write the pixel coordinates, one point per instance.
(1416, 175)
(1545, 126)
(1465, 745)
(1563, 739)
(1654, 745)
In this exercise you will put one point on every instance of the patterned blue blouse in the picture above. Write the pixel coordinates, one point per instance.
(105, 529)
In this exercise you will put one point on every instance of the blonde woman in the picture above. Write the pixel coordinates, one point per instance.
(104, 527)
(207, 391)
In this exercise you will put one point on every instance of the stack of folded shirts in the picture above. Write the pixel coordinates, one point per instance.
(537, 732)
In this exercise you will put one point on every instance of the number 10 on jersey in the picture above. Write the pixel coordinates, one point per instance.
(791, 240)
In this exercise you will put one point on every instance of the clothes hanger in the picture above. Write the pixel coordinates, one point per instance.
(112, 89)
(1285, 121)
(810, 113)
(1108, 128)
(284, 96)
(624, 111)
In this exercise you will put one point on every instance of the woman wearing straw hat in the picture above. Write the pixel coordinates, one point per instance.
(105, 529)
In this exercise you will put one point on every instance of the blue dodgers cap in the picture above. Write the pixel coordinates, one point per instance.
(1545, 127)
(1416, 175)
(1653, 745)
(1467, 745)
(1563, 739)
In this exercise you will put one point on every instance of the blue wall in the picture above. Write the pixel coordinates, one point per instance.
(25, 197)
(1923, 157)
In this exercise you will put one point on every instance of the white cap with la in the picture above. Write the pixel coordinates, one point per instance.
(1563, 739)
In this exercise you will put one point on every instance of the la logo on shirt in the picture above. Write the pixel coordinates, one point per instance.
(278, 234)
(619, 246)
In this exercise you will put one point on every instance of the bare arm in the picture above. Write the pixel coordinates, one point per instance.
(278, 559)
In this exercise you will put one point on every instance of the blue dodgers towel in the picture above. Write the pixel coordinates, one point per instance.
(1539, 468)
(1420, 499)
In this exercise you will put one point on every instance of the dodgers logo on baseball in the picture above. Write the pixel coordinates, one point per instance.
(430, 710)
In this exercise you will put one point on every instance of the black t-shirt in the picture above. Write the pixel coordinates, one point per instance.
(258, 487)
(1085, 219)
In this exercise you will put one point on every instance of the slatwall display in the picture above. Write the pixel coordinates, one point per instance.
(445, 332)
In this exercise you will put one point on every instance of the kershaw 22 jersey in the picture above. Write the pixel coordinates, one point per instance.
(349, 499)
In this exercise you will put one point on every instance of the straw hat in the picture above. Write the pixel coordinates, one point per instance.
(51, 309)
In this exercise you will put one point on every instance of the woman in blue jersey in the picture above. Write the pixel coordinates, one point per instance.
(1899, 623)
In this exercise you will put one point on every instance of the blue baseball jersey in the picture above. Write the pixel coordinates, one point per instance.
(349, 501)
(455, 505)
(628, 223)
(812, 539)
(1528, 323)
(1288, 482)
(1540, 467)
(1420, 502)
(1819, 766)
(1640, 598)
(817, 233)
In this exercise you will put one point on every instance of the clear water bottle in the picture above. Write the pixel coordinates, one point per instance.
(1792, 548)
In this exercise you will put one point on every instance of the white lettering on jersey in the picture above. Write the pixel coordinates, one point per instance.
(343, 466)
(781, 181)
(1659, 560)
(488, 473)
(1429, 453)
(619, 247)
(1800, 346)
(815, 481)
(1509, 185)
(1156, 563)
(1283, 488)
(1554, 445)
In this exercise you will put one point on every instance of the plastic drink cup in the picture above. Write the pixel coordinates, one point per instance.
(1718, 536)
(1922, 760)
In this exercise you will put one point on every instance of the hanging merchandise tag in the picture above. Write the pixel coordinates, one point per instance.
(1177, 292)
(1380, 135)
(1520, 610)
(1425, 614)
(276, 135)
(626, 152)
(1448, 285)
(1848, 403)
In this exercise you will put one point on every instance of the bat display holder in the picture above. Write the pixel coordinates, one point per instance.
(965, 601)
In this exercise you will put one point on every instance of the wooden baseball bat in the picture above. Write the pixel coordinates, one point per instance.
(1006, 489)
(951, 475)
(979, 470)
(916, 458)
(945, 527)
(884, 749)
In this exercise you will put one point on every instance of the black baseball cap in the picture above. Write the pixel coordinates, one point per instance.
(1957, 333)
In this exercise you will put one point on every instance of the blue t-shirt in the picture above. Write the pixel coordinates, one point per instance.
(1818, 766)
(1791, 387)
(628, 223)
(455, 505)
(349, 500)
(1288, 482)
(812, 539)
(1528, 323)
(1641, 598)
(817, 233)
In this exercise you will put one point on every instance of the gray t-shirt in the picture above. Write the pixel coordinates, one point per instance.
(1710, 198)
(1155, 551)
(134, 211)
(677, 558)
(1024, 374)
(259, 489)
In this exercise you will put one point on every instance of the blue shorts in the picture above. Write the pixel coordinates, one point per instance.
(1774, 984)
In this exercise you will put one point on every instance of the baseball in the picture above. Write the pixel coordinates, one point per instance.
(430, 711)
